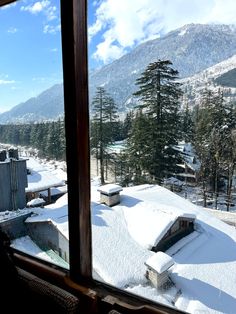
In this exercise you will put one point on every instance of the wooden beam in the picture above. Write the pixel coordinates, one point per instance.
(4, 2)
(75, 71)
(49, 196)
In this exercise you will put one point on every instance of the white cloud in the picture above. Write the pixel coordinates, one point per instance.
(50, 29)
(54, 50)
(223, 11)
(51, 13)
(125, 23)
(12, 30)
(4, 82)
(44, 7)
(108, 51)
(36, 7)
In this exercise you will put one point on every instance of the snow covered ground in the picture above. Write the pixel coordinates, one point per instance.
(195, 195)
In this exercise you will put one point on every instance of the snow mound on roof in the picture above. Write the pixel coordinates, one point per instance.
(147, 223)
(117, 258)
(160, 262)
(148, 213)
(110, 188)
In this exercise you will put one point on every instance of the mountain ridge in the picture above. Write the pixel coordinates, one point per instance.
(48, 105)
(191, 49)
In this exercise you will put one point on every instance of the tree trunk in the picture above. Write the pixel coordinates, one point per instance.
(216, 191)
(229, 185)
(102, 167)
(204, 195)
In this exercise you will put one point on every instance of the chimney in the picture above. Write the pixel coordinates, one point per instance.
(157, 270)
(13, 153)
(110, 194)
(3, 155)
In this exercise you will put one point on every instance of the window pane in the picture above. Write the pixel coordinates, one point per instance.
(33, 177)
(162, 140)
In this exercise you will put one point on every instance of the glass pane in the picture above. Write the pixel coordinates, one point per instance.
(33, 177)
(162, 137)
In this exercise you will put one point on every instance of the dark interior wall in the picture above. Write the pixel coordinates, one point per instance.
(15, 227)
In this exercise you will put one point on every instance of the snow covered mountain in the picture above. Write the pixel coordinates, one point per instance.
(221, 75)
(191, 48)
(46, 106)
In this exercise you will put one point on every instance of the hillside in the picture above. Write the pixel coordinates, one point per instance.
(46, 106)
(191, 49)
(221, 75)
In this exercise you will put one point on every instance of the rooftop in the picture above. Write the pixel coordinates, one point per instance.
(40, 178)
(205, 260)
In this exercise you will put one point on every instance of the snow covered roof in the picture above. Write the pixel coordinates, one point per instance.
(40, 178)
(36, 201)
(7, 215)
(27, 245)
(56, 213)
(205, 260)
(55, 191)
(160, 262)
(189, 156)
(186, 175)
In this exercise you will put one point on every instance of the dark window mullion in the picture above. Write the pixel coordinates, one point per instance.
(3, 2)
(74, 50)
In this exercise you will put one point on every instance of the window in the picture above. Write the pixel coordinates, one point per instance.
(34, 82)
(159, 111)
(129, 174)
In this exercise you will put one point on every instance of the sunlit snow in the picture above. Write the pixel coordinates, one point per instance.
(204, 262)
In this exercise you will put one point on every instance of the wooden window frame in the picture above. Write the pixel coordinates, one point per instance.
(75, 71)
(79, 279)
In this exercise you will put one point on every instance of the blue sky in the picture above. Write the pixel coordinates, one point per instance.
(30, 55)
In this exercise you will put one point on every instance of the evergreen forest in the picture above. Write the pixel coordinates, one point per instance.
(161, 119)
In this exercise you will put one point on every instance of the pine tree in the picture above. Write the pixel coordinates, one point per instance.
(138, 150)
(105, 113)
(229, 149)
(52, 141)
(62, 139)
(187, 124)
(127, 124)
(158, 96)
(213, 140)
